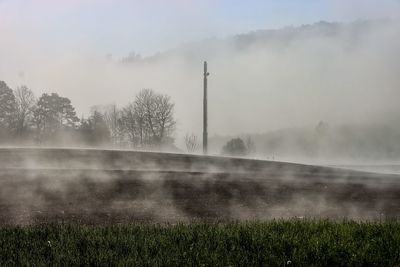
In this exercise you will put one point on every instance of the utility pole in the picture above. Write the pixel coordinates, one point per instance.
(205, 118)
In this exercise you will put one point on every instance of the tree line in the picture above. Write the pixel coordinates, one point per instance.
(147, 122)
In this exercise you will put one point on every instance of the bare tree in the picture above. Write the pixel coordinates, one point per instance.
(148, 121)
(25, 104)
(164, 116)
(112, 118)
(155, 116)
(130, 124)
(191, 142)
(144, 107)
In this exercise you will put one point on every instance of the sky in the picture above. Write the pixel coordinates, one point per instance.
(119, 27)
(64, 46)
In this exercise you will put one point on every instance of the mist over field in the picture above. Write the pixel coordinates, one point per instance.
(92, 91)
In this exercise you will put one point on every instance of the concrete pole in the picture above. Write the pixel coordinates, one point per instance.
(205, 117)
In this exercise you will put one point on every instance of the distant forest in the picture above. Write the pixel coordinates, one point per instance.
(50, 120)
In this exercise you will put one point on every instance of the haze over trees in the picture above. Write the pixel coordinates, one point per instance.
(234, 147)
(146, 123)
(94, 130)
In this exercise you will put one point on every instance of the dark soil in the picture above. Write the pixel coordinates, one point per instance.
(45, 186)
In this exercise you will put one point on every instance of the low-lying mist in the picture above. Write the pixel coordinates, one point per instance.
(106, 186)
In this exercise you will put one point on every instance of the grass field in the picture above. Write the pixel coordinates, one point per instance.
(275, 243)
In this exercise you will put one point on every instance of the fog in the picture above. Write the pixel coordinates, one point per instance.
(262, 81)
(322, 92)
(259, 82)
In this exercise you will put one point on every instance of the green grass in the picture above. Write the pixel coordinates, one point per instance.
(277, 243)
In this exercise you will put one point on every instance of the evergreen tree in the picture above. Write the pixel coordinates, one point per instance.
(7, 111)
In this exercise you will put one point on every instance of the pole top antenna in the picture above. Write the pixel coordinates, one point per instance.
(206, 73)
